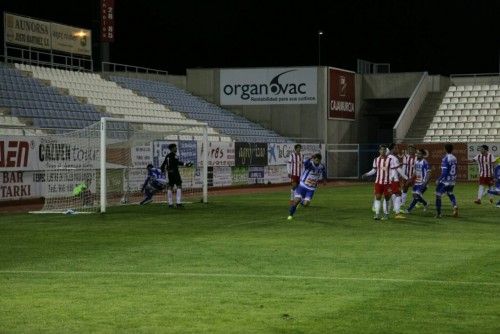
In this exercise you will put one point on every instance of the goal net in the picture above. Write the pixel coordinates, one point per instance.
(105, 164)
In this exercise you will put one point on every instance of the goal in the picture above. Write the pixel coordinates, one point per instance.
(104, 164)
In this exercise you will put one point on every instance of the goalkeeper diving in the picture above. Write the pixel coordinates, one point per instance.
(155, 182)
(82, 192)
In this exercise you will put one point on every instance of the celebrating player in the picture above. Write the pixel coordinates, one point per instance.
(446, 182)
(381, 167)
(294, 168)
(420, 178)
(314, 171)
(485, 161)
(155, 182)
(171, 165)
(496, 174)
(408, 169)
(396, 172)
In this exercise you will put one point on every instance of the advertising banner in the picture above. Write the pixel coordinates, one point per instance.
(18, 153)
(222, 176)
(188, 151)
(70, 39)
(250, 154)
(17, 185)
(219, 154)
(342, 94)
(308, 149)
(276, 174)
(47, 35)
(27, 31)
(473, 149)
(107, 20)
(142, 155)
(279, 153)
(264, 86)
(239, 175)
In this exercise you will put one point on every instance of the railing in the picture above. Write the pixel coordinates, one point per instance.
(30, 56)
(455, 139)
(115, 67)
(411, 108)
(367, 67)
(477, 78)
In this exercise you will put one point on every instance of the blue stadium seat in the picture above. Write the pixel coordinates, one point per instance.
(193, 107)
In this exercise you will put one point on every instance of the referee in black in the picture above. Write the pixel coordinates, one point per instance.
(171, 166)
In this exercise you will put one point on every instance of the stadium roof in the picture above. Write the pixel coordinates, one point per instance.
(439, 36)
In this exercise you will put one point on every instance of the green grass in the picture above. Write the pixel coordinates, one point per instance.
(236, 265)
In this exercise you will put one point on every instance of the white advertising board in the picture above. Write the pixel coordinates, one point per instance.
(264, 86)
(40, 34)
(27, 31)
(70, 39)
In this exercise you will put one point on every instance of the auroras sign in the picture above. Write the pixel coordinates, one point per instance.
(342, 94)
(268, 86)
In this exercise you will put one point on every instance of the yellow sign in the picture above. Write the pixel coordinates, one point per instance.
(46, 35)
(27, 31)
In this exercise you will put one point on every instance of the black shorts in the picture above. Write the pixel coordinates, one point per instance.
(174, 179)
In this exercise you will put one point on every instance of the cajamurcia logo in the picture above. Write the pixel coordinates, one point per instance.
(275, 86)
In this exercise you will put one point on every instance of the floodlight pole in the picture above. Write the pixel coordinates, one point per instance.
(320, 33)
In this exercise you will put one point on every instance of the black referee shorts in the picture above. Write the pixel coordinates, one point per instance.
(174, 179)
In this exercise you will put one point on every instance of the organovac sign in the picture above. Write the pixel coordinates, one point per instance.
(261, 86)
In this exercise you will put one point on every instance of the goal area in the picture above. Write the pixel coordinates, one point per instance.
(105, 164)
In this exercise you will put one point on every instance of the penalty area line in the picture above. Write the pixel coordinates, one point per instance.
(246, 276)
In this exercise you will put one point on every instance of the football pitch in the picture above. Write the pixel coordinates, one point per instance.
(236, 265)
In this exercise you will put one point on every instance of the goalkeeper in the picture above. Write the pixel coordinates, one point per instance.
(171, 165)
(83, 192)
(154, 183)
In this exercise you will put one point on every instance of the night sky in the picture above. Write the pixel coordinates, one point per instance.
(442, 37)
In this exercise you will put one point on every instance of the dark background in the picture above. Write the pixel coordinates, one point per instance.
(442, 37)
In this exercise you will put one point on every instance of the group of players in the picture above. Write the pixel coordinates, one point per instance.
(394, 175)
(157, 181)
(410, 170)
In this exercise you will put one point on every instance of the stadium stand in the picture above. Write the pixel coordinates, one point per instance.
(226, 122)
(467, 113)
(25, 101)
(111, 98)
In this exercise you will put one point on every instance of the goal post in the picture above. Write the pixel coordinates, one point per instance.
(104, 164)
(113, 131)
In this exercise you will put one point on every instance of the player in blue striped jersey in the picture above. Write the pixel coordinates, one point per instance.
(446, 182)
(154, 183)
(421, 176)
(496, 176)
(312, 173)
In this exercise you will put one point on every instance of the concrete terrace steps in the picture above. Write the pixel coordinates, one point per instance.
(425, 115)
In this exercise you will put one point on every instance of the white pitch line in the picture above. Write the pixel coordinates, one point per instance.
(229, 275)
(248, 222)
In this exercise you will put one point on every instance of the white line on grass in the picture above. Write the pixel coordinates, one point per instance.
(249, 222)
(229, 275)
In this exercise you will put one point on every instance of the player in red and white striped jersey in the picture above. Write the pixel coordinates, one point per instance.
(382, 169)
(485, 161)
(396, 173)
(294, 168)
(409, 169)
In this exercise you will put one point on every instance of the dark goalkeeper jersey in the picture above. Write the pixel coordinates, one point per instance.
(171, 163)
